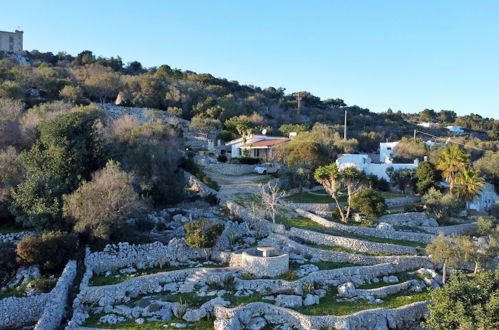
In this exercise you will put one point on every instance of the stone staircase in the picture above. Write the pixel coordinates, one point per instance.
(201, 274)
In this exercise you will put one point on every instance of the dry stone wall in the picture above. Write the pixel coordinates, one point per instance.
(46, 308)
(56, 303)
(390, 234)
(141, 256)
(286, 244)
(380, 318)
(350, 243)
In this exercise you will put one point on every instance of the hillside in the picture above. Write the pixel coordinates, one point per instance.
(208, 101)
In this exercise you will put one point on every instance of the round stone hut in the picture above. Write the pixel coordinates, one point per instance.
(265, 261)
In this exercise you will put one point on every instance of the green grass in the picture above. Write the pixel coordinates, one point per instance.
(9, 229)
(323, 265)
(305, 223)
(245, 199)
(244, 300)
(389, 194)
(343, 249)
(308, 197)
(100, 279)
(322, 197)
(329, 306)
(21, 291)
(93, 322)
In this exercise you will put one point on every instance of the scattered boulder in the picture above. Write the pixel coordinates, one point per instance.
(111, 319)
(390, 279)
(257, 323)
(311, 299)
(384, 226)
(346, 290)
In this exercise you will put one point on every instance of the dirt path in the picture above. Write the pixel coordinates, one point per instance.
(234, 186)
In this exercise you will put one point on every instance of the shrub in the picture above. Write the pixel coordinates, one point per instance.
(289, 275)
(8, 263)
(369, 203)
(249, 160)
(222, 158)
(51, 251)
(212, 199)
(43, 285)
(441, 205)
(101, 219)
(378, 183)
(202, 233)
(160, 226)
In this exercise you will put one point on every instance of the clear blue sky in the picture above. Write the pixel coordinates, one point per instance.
(407, 55)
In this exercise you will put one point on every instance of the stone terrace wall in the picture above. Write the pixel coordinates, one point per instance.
(381, 233)
(56, 304)
(285, 243)
(402, 201)
(147, 284)
(141, 256)
(47, 308)
(350, 243)
(358, 275)
(230, 169)
(379, 318)
(199, 186)
(14, 311)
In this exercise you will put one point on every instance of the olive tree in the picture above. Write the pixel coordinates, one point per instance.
(100, 207)
(335, 180)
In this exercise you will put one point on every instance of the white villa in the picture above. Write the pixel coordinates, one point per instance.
(488, 197)
(365, 164)
(258, 146)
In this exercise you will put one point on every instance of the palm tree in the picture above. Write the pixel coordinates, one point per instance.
(451, 161)
(469, 183)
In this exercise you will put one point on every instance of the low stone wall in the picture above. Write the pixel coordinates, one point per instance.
(389, 289)
(14, 237)
(358, 275)
(46, 308)
(461, 229)
(379, 318)
(15, 312)
(285, 244)
(200, 187)
(323, 208)
(231, 169)
(366, 231)
(141, 256)
(56, 304)
(350, 243)
(414, 219)
(401, 201)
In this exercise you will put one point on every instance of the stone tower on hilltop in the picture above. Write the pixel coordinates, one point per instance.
(11, 41)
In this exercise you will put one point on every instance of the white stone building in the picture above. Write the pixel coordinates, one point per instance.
(386, 151)
(258, 146)
(488, 197)
(365, 164)
(11, 41)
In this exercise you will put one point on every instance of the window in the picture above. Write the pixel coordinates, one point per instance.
(11, 39)
(11, 47)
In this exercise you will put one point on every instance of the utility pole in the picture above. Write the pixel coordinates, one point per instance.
(414, 138)
(345, 128)
(298, 105)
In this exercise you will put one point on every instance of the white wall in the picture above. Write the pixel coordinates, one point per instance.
(363, 163)
(487, 199)
(386, 150)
